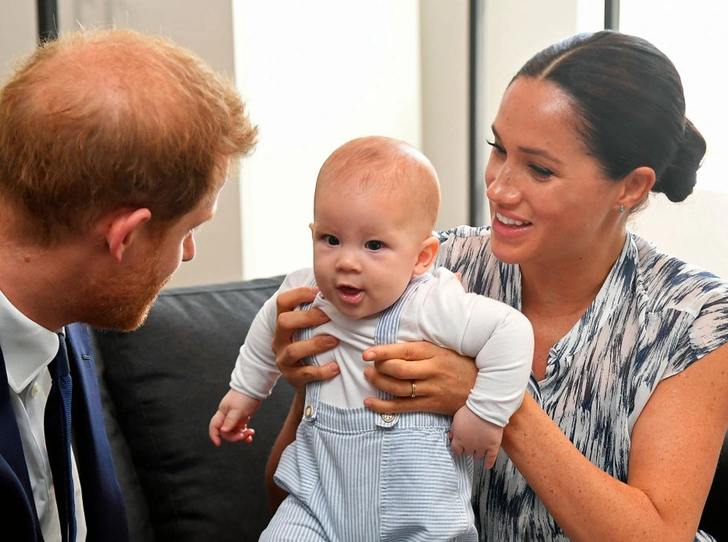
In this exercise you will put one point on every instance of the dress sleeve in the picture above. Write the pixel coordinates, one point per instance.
(707, 331)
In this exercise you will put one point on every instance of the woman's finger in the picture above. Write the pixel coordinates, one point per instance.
(400, 387)
(410, 351)
(293, 353)
(288, 320)
(290, 299)
(298, 374)
(400, 369)
(292, 320)
(289, 353)
(418, 404)
(301, 375)
(410, 395)
(439, 379)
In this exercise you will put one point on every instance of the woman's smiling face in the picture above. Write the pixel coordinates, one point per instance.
(549, 199)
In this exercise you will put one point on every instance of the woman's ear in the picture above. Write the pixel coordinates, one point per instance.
(428, 252)
(637, 186)
(122, 228)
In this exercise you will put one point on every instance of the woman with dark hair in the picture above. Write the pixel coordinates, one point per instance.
(619, 435)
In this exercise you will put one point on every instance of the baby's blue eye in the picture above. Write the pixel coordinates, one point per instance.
(374, 245)
(331, 240)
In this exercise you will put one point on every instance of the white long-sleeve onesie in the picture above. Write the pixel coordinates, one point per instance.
(440, 311)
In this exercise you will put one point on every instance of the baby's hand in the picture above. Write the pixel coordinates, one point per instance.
(474, 436)
(231, 419)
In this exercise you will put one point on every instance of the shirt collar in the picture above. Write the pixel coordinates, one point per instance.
(27, 346)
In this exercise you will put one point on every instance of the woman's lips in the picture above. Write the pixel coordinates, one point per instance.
(506, 227)
(511, 221)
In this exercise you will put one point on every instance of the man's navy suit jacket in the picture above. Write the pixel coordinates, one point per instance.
(103, 503)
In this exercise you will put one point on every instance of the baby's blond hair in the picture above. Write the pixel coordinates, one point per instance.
(388, 165)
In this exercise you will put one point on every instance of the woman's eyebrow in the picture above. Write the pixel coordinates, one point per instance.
(531, 150)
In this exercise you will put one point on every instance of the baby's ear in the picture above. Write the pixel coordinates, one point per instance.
(428, 252)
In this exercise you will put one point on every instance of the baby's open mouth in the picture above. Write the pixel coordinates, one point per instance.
(349, 294)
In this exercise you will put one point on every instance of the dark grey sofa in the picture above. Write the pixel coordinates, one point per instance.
(161, 384)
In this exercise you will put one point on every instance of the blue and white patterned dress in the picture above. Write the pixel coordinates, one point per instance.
(653, 317)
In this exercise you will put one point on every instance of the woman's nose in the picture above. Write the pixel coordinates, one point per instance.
(501, 185)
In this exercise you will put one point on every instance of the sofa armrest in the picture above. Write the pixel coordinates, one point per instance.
(162, 384)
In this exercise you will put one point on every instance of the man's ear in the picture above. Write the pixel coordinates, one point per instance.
(637, 186)
(122, 229)
(428, 252)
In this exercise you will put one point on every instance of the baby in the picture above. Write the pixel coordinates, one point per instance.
(353, 474)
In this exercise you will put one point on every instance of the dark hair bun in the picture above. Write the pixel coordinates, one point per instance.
(678, 180)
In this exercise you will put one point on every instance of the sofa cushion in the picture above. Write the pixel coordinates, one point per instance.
(165, 381)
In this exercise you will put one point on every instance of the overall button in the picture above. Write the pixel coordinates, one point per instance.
(388, 417)
(308, 411)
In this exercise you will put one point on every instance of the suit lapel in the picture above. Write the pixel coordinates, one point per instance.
(102, 498)
(103, 502)
(16, 494)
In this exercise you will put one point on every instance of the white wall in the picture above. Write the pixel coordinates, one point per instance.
(316, 74)
(18, 30)
(694, 229)
(444, 55)
(203, 26)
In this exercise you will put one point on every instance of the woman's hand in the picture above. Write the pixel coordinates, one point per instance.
(288, 359)
(439, 379)
(289, 353)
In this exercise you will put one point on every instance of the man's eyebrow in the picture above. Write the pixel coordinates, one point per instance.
(531, 150)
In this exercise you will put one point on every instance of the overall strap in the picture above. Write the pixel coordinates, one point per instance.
(387, 332)
(313, 389)
(388, 327)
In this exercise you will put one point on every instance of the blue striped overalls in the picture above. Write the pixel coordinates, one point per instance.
(356, 475)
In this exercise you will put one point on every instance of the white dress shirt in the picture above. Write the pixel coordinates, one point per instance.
(28, 349)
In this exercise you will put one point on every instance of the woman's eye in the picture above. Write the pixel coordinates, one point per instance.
(374, 245)
(496, 148)
(541, 171)
(331, 240)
